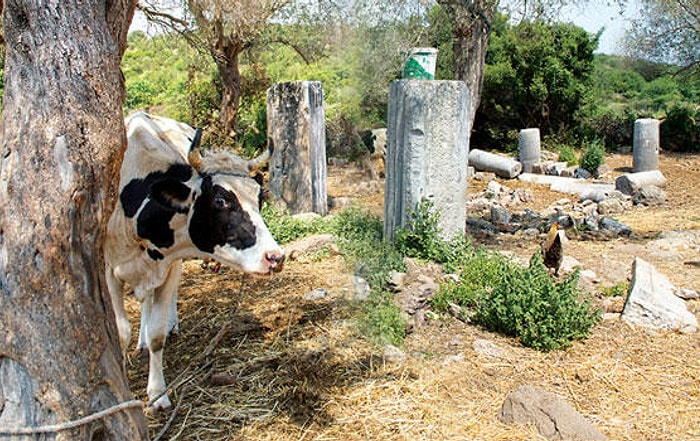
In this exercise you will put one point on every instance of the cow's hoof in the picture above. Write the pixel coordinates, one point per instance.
(160, 405)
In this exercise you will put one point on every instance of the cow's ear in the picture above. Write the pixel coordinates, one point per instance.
(172, 194)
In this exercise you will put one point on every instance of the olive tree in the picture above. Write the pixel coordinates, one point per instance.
(667, 31)
(61, 366)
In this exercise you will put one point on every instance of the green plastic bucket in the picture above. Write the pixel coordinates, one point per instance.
(420, 64)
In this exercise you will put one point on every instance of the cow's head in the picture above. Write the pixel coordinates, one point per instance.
(223, 209)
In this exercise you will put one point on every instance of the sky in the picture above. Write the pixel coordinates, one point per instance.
(597, 14)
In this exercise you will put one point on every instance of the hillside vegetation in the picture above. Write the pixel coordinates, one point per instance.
(537, 75)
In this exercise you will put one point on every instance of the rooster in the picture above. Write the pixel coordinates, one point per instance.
(553, 249)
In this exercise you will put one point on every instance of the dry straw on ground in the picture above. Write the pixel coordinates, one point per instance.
(255, 361)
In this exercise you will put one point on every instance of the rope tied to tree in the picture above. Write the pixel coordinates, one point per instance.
(68, 425)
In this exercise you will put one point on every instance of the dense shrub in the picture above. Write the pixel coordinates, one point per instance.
(593, 156)
(614, 126)
(527, 303)
(568, 154)
(680, 131)
(504, 296)
(536, 76)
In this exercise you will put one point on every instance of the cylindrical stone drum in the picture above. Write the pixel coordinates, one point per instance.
(529, 148)
(645, 147)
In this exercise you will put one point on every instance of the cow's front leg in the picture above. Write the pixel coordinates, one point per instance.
(170, 285)
(116, 292)
(156, 327)
(155, 335)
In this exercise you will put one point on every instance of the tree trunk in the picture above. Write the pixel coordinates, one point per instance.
(471, 27)
(62, 143)
(226, 58)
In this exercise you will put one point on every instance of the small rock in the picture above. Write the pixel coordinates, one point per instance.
(539, 168)
(555, 168)
(489, 348)
(499, 215)
(610, 316)
(527, 218)
(222, 379)
(610, 206)
(316, 294)
(551, 414)
(392, 354)
(494, 188)
(306, 217)
(650, 196)
(593, 194)
(582, 173)
(687, 294)
(397, 280)
(613, 304)
(602, 170)
(479, 227)
(568, 172)
(614, 226)
(362, 288)
(457, 312)
(309, 244)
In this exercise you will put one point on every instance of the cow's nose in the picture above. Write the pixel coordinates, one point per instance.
(275, 259)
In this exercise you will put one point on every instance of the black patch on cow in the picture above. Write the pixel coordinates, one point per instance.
(137, 190)
(153, 220)
(172, 194)
(219, 219)
(155, 254)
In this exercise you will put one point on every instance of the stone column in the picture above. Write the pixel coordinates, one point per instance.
(296, 128)
(529, 148)
(427, 152)
(645, 146)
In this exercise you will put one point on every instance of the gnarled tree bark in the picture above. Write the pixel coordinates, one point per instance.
(62, 143)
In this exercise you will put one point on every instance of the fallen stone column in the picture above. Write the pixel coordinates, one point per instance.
(629, 183)
(501, 166)
(297, 132)
(427, 153)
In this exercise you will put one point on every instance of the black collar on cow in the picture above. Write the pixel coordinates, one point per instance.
(225, 173)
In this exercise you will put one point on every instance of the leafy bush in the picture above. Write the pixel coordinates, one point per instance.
(613, 125)
(521, 302)
(617, 290)
(680, 131)
(536, 76)
(422, 239)
(285, 228)
(593, 156)
(505, 297)
(568, 154)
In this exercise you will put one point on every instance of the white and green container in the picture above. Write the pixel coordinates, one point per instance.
(420, 64)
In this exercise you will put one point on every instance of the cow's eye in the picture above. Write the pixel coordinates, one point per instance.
(221, 203)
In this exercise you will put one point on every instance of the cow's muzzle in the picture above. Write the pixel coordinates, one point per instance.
(274, 260)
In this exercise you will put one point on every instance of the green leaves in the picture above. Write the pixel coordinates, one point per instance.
(527, 303)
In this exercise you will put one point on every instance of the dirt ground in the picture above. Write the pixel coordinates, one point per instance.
(254, 360)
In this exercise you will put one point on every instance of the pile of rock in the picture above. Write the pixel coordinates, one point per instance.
(488, 214)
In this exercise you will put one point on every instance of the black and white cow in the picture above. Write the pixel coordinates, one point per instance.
(174, 204)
